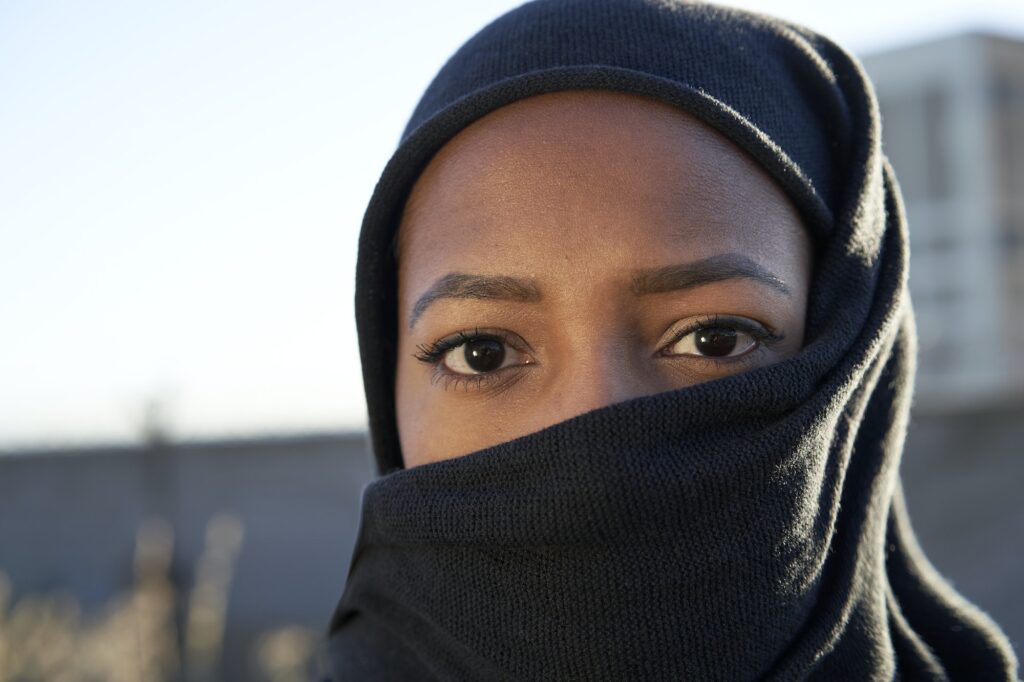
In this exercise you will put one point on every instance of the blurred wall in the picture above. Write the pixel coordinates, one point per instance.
(69, 519)
(963, 474)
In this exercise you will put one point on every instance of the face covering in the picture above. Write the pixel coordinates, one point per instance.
(751, 527)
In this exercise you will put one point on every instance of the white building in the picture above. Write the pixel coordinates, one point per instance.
(953, 127)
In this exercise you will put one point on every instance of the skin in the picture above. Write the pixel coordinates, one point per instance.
(583, 198)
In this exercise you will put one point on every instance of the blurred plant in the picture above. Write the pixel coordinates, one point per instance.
(284, 655)
(207, 606)
(135, 637)
(38, 635)
(43, 637)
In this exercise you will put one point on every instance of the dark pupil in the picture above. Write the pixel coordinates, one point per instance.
(484, 355)
(716, 341)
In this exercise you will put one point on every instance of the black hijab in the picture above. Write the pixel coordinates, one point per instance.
(750, 527)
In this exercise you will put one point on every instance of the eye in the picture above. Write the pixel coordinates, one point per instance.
(474, 354)
(480, 355)
(713, 342)
(719, 337)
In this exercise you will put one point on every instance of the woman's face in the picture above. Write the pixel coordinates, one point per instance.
(577, 249)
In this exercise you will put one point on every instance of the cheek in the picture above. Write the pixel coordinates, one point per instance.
(431, 428)
(436, 424)
(801, 292)
(410, 410)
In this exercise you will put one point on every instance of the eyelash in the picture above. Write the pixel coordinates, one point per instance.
(433, 353)
(764, 335)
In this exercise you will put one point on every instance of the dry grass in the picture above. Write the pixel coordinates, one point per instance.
(135, 636)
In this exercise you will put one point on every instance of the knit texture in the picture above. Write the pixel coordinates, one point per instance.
(750, 527)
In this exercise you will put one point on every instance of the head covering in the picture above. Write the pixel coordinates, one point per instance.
(750, 527)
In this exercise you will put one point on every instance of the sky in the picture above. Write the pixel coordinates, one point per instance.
(181, 189)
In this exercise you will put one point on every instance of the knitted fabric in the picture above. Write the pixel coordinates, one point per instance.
(750, 527)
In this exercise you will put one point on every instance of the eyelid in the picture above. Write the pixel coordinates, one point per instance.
(498, 379)
(433, 352)
(760, 332)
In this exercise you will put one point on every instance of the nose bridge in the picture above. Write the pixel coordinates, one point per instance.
(603, 372)
(598, 355)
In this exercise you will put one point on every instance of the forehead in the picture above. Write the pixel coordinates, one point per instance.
(612, 179)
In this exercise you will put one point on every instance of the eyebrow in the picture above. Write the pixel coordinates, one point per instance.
(658, 280)
(461, 285)
(705, 271)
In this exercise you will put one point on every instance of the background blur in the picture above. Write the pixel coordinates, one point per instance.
(181, 412)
